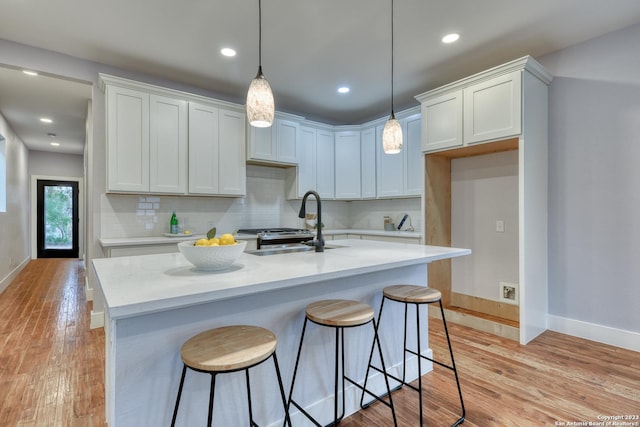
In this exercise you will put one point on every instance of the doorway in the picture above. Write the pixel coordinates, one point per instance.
(57, 219)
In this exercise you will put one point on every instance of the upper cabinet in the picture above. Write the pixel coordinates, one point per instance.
(482, 108)
(368, 163)
(168, 142)
(347, 165)
(216, 151)
(277, 144)
(412, 145)
(325, 164)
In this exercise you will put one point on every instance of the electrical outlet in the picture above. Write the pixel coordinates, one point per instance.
(509, 292)
(499, 226)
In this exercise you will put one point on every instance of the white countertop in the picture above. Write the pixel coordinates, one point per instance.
(149, 283)
(163, 240)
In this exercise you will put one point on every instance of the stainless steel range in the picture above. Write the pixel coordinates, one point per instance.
(280, 237)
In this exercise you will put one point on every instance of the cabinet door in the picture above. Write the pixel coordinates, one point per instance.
(306, 169)
(390, 169)
(287, 141)
(127, 140)
(347, 165)
(203, 149)
(261, 144)
(412, 128)
(232, 168)
(442, 122)
(492, 109)
(325, 164)
(168, 145)
(368, 163)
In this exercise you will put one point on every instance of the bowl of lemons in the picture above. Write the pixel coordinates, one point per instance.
(212, 253)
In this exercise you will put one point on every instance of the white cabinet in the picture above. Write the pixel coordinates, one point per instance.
(278, 144)
(368, 163)
(347, 165)
(163, 141)
(168, 140)
(442, 118)
(414, 170)
(325, 164)
(303, 177)
(482, 108)
(216, 151)
(146, 142)
(492, 109)
(127, 140)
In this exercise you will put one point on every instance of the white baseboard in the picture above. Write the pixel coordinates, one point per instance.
(97, 319)
(594, 332)
(88, 291)
(12, 274)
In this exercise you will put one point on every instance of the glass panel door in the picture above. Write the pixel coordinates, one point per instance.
(57, 219)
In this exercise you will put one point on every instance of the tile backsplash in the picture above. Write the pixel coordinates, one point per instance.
(265, 205)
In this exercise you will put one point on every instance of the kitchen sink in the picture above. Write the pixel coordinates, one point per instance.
(287, 249)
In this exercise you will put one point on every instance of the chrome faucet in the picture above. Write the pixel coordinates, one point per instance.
(319, 242)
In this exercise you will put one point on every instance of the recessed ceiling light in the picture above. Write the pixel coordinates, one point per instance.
(46, 120)
(344, 89)
(55, 144)
(227, 51)
(450, 38)
(30, 73)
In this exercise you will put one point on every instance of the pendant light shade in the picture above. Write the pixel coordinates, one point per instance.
(392, 133)
(260, 105)
(392, 136)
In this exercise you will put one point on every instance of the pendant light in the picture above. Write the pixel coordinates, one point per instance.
(392, 133)
(260, 105)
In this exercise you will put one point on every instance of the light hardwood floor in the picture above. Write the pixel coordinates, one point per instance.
(52, 368)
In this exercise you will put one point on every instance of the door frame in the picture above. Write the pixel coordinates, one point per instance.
(34, 211)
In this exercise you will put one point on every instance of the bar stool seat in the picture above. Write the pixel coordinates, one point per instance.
(416, 295)
(339, 314)
(229, 349)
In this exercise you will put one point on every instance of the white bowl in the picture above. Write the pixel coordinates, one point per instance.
(211, 257)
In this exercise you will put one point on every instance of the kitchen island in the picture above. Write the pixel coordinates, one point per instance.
(156, 302)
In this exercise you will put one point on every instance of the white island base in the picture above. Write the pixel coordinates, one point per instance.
(156, 302)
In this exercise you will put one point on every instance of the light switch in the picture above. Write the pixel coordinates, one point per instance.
(499, 226)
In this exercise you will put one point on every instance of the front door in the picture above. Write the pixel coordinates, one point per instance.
(57, 219)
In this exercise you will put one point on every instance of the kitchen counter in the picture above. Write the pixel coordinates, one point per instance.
(156, 302)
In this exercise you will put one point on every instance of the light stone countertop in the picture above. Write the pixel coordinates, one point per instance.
(149, 283)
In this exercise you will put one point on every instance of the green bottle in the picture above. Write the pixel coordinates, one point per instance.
(174, 223)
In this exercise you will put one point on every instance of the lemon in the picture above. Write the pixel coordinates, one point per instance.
(202, 242)
(213, 243)
(227, 239)
(214, 240)
(187, 232)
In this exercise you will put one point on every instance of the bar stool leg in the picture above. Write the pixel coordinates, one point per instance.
(281, 388)
(419, 358)
(454, 369)
(211, 397)
(175, 411)
(251, 422)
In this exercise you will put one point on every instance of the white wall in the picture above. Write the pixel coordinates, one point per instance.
(484, 189)
(14, 223)
(55, 164)
(594, 181)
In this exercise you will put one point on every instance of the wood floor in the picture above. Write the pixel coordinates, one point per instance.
(52, 368)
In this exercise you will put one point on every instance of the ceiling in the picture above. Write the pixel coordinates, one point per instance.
(309, 48)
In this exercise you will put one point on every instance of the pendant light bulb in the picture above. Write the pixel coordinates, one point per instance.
(392, 136)
(392, 133)
(260, 104)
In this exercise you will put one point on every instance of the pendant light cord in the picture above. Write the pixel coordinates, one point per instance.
(260, 33)
(392, 58)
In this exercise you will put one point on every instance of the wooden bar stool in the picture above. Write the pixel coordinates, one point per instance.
(412, 294)
(229, 349)
(339, 314)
